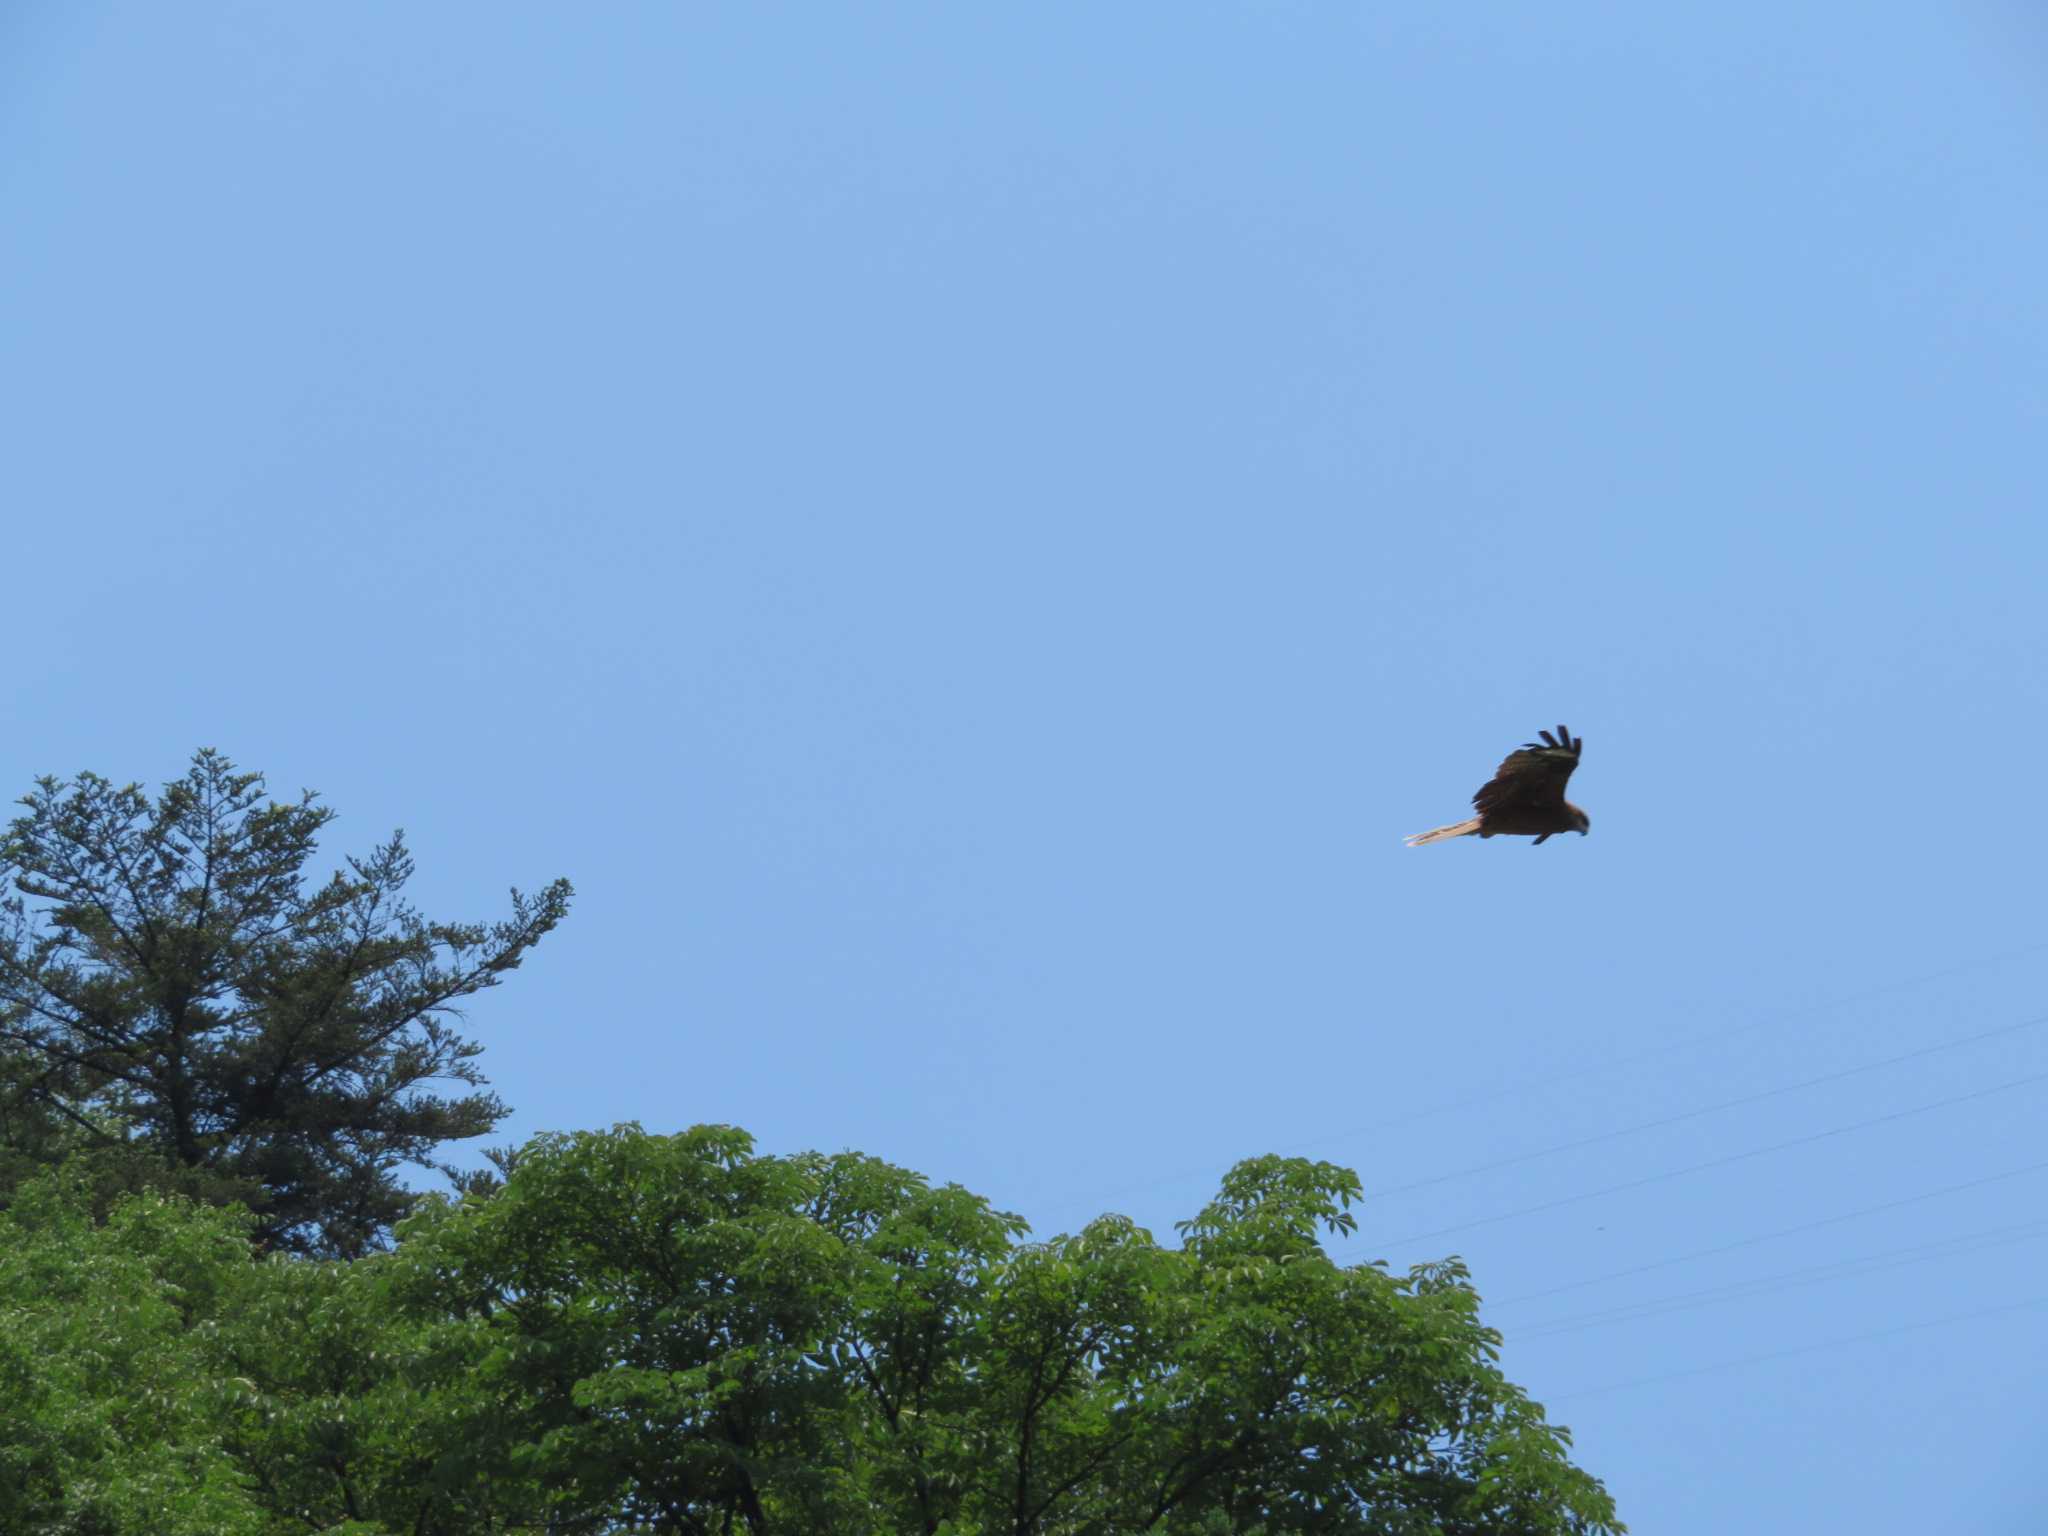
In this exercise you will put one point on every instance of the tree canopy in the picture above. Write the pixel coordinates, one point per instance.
(178, 997)
(679, 1334)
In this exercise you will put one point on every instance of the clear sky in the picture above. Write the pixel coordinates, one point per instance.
(972, 532)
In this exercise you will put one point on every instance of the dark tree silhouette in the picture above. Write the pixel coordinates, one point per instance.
(178, 995)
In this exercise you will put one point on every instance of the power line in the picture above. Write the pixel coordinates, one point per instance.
(1522, 1084)
(1714, 1109)
(1721, 1162)
(1766, 1237)
(1804, 1349)
(1765, 1285)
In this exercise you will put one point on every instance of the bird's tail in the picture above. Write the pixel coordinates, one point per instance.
(1456, 829)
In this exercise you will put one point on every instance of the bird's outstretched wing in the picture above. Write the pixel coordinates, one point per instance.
(1533, 775)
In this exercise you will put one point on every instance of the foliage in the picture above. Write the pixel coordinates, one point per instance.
(109, 1413)
(347, 1409)
(177, 997)
(682, 1335)
(676, 1334)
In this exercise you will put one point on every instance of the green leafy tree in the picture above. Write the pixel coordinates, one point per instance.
(109, 1405)
(179, 997)
(675, 1334)
(327, 1423)
(159, 1378)
(645, 1312)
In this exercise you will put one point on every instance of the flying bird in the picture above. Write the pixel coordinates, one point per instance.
(1525, 796)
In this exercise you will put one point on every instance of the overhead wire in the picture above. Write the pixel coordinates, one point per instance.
(1797, 1229)
(1716, 1162)
(1803, 1349)
(1785, 1280)
(1759, 1285)
(1840, 1269)
(1523, 1084)
(1716, 1108)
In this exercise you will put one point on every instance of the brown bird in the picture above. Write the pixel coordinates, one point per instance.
(1525, 796)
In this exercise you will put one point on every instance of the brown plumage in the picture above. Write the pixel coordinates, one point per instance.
(1525, 796)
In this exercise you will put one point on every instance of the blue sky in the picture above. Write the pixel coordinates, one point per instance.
(971, 533)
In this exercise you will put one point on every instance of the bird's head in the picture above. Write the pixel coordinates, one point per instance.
(1581, 820)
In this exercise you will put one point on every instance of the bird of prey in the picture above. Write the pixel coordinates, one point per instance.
(1525, 796)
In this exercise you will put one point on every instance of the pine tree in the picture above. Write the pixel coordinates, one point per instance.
(179, 995)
